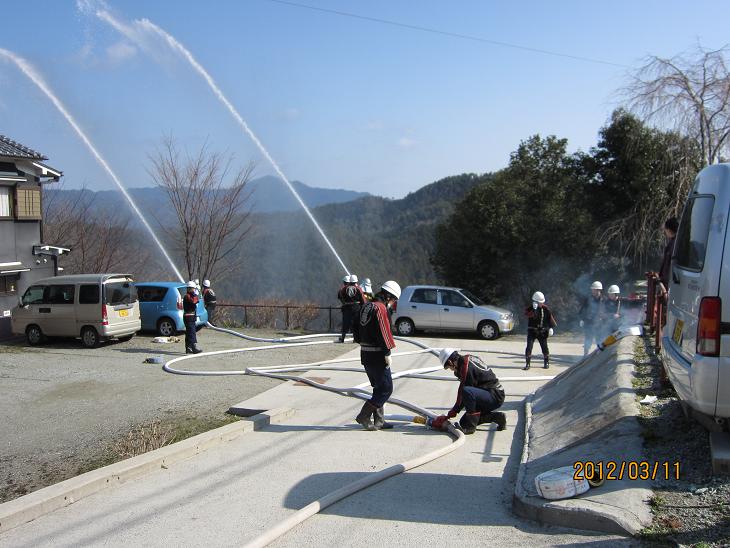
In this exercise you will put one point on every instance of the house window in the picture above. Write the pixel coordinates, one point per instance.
(8, 285)
(28, 203)
(6, 203)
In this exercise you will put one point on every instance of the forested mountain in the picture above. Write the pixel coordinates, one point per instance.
(376, 237)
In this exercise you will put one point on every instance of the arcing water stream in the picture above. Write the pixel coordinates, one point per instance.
(146, 26)
(38, 80)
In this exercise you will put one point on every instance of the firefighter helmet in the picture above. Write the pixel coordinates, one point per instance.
(613, 290)
(353, 278)
(597, 285)
(206, 283)
(190, 284)
(537, 296)
(345, 279)
(392, 287)
(445, 354)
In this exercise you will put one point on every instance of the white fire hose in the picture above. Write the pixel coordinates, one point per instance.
(359, 391)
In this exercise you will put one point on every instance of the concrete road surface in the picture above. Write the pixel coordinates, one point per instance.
(230, 494)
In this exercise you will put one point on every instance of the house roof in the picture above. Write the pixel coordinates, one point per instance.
(11, 148)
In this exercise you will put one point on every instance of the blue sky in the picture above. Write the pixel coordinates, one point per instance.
(339, 102)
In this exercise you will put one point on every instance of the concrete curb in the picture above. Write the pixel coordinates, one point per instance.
(29, 507)
(588, 511)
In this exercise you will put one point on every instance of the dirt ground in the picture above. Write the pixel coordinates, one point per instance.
(63, 406)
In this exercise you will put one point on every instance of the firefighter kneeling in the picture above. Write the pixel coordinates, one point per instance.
(479, 392)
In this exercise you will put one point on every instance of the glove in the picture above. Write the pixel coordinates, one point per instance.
(388, 361)
(451, 414)
(582, 323)
(550, 332)
(438, 422)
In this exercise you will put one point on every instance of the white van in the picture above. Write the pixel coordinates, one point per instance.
(696, 342)
(94, 307)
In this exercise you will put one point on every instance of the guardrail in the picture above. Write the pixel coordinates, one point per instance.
(288, 320)
(656, 307)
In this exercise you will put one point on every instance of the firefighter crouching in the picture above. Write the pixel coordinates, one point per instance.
(371, 329)
(190, 314)
(480, 392)
(351, 297)
(540, 323)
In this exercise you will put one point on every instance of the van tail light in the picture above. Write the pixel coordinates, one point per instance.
(104, 317)
(708, 327)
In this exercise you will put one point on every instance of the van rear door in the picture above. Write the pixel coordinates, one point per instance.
(120, 298)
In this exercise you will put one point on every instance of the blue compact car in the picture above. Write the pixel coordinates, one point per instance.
(161, 310)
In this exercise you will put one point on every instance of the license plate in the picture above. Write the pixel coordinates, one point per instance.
(677, 334)
(123, 313)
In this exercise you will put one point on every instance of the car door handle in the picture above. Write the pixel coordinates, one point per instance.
(675, 278)
(414, 306)
(446, 309)
(44, 310)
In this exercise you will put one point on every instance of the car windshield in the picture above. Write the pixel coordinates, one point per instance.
(120, 292)
(473, 298)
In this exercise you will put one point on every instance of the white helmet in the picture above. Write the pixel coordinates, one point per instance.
(206, 283)
(353, 278)
(597, 285)
(191, 284)
(345, 279)
(366, 281)
(392, 287)
(537, 296)
(445, 354)
(613, 290)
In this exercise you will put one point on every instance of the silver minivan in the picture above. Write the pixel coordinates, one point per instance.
(449, 309)
(696, 342)
(94, 307)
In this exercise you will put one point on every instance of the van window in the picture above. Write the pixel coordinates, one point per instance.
(691, 243)
(89, 294)
(151, 294)
(427, 296)
(120, 293)
(60, 294)
(33, 295)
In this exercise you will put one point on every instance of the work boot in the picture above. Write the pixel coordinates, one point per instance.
(379, 420)
(364, 417)
(527, 363)
(196, 349)
(546, 362)
(496, 417)
(188, 350)
(469, 422)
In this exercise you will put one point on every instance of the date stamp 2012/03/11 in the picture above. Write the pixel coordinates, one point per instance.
(631, 470)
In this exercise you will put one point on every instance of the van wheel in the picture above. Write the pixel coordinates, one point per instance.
(405, 327)
(166, 327)
(488, 330)
(89, 337)
(34, 335)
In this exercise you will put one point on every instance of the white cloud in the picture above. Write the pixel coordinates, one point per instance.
(120, 52)
(374, 125)
(406, 142)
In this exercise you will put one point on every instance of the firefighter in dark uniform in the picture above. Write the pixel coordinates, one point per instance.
(190, 313)
(612, 310)
(540, 324)
(351, 297)
(591, 316)
(209, 299)
(480, 392)
(371, 330)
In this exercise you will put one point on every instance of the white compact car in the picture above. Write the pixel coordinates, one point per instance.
(438, 308)
(696, 343)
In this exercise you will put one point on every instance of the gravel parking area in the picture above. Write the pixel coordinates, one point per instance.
(62, 404)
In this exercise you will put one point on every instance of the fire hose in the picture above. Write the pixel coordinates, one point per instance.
(359, 391)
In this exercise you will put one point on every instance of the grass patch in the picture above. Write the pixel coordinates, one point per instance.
(152, 435)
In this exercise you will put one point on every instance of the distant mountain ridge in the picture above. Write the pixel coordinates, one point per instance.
(268, 194)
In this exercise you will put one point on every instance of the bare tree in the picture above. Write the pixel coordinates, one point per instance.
(209, 201)
(100, 241)
(689, 93)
